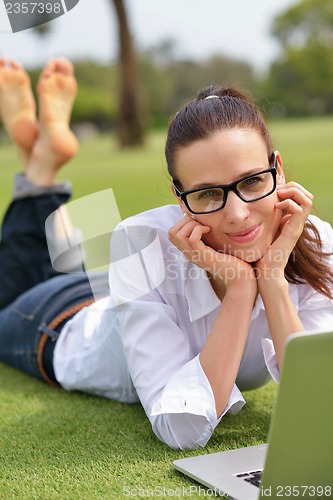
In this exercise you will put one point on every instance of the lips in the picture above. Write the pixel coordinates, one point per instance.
(244, 236)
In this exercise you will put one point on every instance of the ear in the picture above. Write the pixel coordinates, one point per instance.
(180, 201)
(280, 178)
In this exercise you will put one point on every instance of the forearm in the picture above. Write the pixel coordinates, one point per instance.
(281, 314)
(220, 357)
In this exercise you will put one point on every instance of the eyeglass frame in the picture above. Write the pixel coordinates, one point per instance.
(227, 188)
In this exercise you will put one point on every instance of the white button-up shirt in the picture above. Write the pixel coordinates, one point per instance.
(143, 342)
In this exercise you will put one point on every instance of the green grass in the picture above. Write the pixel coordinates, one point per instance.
(307, 150)
(139, 176)
(60, 445)
(72, 446)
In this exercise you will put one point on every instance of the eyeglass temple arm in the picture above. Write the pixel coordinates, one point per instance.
(178, 191)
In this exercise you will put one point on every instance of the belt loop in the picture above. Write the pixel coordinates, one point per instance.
(49, 332)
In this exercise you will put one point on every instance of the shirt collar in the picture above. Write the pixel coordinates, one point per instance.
(200, 296)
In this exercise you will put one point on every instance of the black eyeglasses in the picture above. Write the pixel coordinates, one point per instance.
(251, 188)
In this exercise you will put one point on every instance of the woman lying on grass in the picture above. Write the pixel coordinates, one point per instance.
(202, 294)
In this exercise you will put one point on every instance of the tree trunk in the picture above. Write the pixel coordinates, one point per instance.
(130, 115)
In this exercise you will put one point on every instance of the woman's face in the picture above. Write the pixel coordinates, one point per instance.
(245, 230)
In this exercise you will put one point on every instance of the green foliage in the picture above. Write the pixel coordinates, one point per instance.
(306, 22)
(168, 82)
(301, 80)
(97, 92)
(94, 105)
(298, 83)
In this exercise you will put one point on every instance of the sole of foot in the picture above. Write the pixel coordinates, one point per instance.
(56, 144)
(57, 90)
(17, 105)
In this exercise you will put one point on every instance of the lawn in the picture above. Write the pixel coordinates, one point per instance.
(73, 446)
(139, 176)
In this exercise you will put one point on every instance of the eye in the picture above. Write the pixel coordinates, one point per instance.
(209, 194)
(252, 181)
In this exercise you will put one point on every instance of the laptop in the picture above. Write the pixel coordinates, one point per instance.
(298, 459)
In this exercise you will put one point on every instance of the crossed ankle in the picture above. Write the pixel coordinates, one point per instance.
(25, 188)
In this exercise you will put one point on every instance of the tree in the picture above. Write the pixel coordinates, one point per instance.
(130, 116)
(308, 22)
(170, 81)
(302, 78)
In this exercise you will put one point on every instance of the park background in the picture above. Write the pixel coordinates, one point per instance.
(59, 445)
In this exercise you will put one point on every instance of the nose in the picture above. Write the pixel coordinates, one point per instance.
(235, 209)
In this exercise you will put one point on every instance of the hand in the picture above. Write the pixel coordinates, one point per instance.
(187, 235)
(295, 202)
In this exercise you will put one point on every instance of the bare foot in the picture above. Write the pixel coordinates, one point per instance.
(17, 106)
(56, 144)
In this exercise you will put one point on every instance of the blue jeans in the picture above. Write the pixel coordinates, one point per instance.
(35, 300)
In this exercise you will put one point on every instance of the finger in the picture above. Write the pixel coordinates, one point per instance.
(184, 228)
(181, 235)
(291, 207)
(295, 185)
(295, 194)
(293, 190)
(299, 198)
(181, 223)
(195, 238)
(186, 222)
(185, 231)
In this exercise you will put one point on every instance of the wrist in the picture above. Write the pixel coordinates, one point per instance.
(274, 282)
(242, 289)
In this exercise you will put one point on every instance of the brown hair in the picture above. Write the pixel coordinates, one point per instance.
(228, 108)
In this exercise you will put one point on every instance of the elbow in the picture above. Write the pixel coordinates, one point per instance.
(182, 431)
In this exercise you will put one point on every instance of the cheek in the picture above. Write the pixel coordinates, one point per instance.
(213, 237)
(272, 220)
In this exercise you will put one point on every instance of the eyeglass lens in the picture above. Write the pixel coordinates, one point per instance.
(253, 188)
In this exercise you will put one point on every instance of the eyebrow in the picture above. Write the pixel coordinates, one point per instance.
(245, 174)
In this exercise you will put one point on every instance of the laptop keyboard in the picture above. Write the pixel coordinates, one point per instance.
(253, 477)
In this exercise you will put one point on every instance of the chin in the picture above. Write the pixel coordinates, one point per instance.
(255, 254)
(249, 255)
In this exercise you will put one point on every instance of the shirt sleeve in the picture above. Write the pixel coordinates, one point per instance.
(170, 382)
(315, 310)
(270, 359)
(189, 404)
